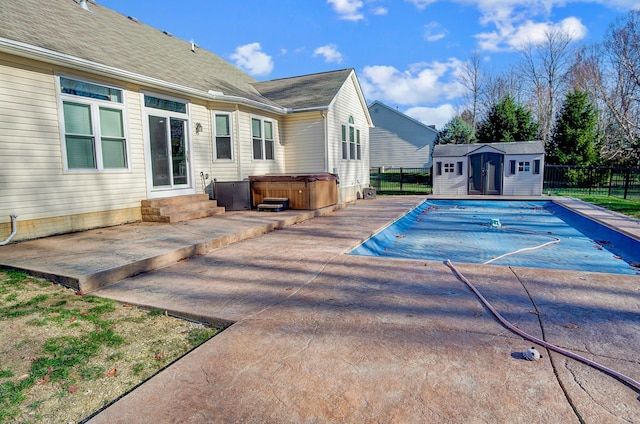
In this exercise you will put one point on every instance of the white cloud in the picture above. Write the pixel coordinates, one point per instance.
(329, 52)
(433, 32)
(421, 4)
(252, 59)
(438, 116)
(379, 11)
(512, 37)
(422, 83)
(348, 10)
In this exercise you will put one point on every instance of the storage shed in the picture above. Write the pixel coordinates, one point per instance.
(514, 169)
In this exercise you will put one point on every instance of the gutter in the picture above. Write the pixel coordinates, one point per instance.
(14, 229)
(49, 56)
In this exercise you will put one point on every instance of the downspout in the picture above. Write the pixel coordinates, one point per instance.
(14, 229)
(326, 140)
(239, 144)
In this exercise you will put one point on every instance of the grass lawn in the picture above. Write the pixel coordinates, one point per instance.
(626, 207)
(64, 357)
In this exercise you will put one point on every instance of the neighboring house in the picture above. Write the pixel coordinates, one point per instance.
(489, 168)
(100, 111)
(397, 140)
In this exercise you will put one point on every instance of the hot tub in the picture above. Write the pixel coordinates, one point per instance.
(304, 191)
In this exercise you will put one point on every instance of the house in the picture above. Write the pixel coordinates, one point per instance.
(513, 169)
(397, 140)
(101, 112)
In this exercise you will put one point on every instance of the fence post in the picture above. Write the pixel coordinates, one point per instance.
(401, 176)
(627, 177)
(610, 180)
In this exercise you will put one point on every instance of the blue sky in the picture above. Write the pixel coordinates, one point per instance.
(406, 53)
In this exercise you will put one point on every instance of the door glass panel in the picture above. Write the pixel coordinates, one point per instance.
(160, 167)
(178, 151)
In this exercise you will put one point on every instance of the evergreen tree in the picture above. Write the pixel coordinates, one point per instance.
(456, 131)
(575, 136)
(507, 121)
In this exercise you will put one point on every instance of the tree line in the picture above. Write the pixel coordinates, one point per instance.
(582, 101)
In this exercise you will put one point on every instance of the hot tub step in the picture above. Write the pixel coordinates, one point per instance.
(271, 207)
(274, 204)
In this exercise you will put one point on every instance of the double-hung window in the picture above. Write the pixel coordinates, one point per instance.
(263, 142)
(222, 141)
(93, 126)
(350, 137)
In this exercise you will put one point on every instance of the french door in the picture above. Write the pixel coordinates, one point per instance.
(169, 153)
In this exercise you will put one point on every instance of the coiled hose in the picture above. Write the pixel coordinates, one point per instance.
(621, 377)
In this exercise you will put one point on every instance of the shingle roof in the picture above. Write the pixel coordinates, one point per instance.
(515, 148)
(109, 38)
(307, 91)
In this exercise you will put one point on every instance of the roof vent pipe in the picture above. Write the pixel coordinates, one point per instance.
(84, 4)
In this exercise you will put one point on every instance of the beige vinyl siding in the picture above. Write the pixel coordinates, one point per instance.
(353, 174)
(34, 184)
(249, 166)
(304, 143)
(224, 170)
(201, 147)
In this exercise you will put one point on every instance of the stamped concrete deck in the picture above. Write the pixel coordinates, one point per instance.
(320, 336)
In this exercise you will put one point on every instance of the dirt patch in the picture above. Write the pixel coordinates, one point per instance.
(64, 357)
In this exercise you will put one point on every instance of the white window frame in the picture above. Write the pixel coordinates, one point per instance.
(524, 166)
(94, 106)
(350, 140)
(263, 139)
(229, 116)
(449, 167)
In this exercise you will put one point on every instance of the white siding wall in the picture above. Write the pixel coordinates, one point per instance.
(304, 143)
(32, 176)
(450, 183)
(353, 174)
(523, 183)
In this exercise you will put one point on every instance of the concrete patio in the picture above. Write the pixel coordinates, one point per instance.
(321, 336)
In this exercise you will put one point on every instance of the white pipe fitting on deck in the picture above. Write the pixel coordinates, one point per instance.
(14, 229)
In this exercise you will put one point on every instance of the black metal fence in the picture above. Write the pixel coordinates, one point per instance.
(596, 180)
(558, 179)
(401, 180)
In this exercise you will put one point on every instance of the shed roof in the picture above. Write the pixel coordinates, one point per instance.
(514, 148)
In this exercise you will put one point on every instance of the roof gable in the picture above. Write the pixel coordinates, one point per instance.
(306, 91)
(395, 114)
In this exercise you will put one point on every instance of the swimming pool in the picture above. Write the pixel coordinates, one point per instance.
(538, 234)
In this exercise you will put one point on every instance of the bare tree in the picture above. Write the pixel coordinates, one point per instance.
(612, 72)
(472, 79)
(496, 87)
(545, 68)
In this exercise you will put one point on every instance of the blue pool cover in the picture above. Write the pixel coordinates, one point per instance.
(483, 231)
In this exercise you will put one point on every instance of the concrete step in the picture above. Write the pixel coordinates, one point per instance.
(180, 208)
